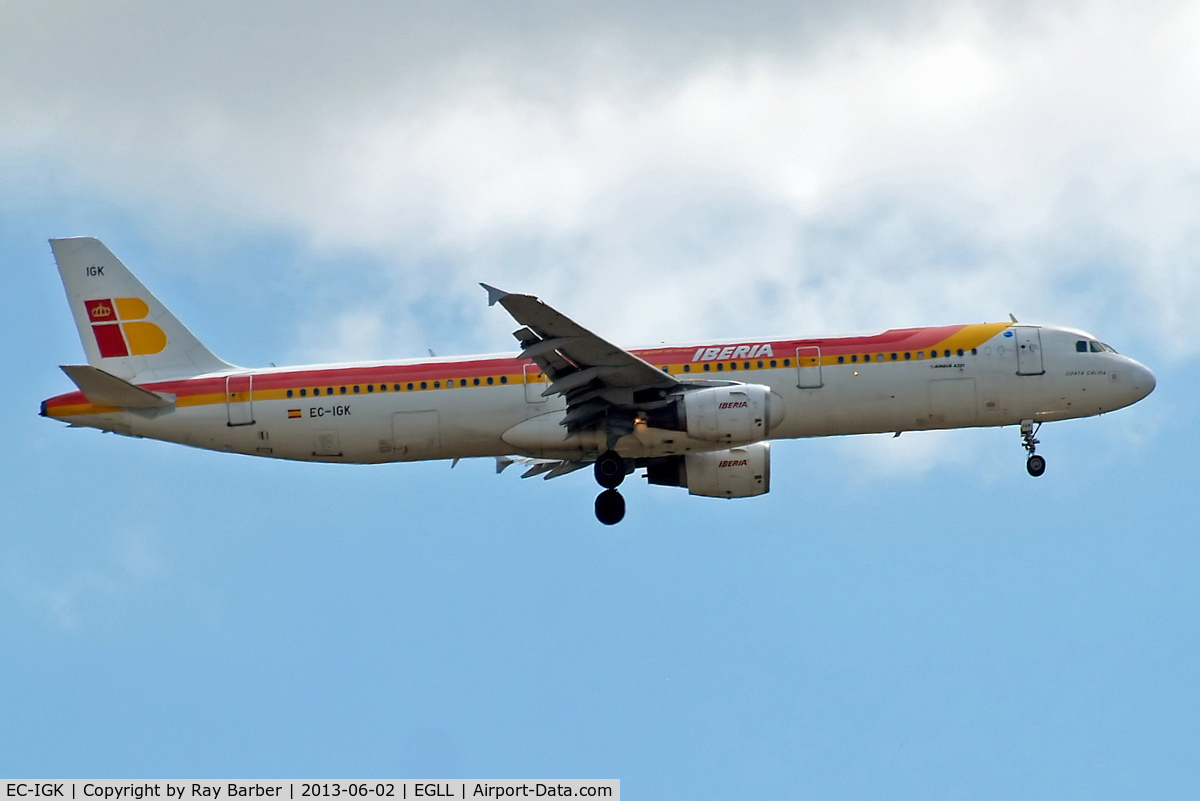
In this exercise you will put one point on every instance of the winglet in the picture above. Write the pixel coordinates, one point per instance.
(1012, 317)
(494, 294)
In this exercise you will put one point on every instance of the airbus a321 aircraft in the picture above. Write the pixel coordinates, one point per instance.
(698, 416)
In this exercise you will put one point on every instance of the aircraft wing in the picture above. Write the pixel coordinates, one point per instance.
(546, 468)
(595, 376)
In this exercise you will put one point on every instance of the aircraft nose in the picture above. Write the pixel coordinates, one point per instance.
(1143, 380)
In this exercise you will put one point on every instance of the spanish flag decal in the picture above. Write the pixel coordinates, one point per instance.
(293, 414)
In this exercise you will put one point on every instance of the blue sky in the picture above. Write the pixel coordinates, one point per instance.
(907, 618)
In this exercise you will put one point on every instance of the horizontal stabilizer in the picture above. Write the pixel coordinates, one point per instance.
(105, 389)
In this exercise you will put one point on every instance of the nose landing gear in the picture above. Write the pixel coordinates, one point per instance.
(1036, 465)
(609, 470)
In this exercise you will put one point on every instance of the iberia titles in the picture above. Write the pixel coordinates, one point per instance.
(732, 352)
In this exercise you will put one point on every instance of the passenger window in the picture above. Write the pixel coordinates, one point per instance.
(328, 390)
(960, 351)
(289, 393)
(410, 386)
(424, 385)
(687, 368)
(760, 364)
(490, 380)
(841, 359)
(370, 387)
(342, 390)
(894, 357)
(503, 379)
(908, 355)
(303, 392)
(854, 357)
(356, 387)
(1081, 346)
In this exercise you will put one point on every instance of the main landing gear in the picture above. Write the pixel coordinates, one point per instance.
(609, 470)
(1036, 465)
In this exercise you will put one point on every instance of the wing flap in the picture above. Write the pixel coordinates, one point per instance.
(546, 468)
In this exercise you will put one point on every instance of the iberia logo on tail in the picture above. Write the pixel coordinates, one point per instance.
(117, 330)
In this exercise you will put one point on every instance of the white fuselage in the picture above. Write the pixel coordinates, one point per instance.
(371, 413)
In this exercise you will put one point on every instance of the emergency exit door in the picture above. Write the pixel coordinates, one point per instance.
(808, 367)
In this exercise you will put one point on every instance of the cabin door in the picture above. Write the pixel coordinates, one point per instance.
(1029, 350)
(239, 399)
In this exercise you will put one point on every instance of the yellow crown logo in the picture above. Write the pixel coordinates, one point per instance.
(101, 310)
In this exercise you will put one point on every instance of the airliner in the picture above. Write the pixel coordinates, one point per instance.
(699, 416)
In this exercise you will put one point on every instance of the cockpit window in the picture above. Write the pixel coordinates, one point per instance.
(1086, 345)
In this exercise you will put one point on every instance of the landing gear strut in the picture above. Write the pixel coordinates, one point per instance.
(609, 470)
(1036, 465)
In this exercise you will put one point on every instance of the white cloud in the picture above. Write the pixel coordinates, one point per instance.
(846, 168)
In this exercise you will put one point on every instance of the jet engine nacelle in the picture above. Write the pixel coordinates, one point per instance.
(735, 473)
(738, 413)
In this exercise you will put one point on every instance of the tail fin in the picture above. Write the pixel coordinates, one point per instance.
(125, 330)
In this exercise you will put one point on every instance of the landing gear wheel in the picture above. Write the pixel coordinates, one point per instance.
(1035, 464)
(610, 507)
(610, 470)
